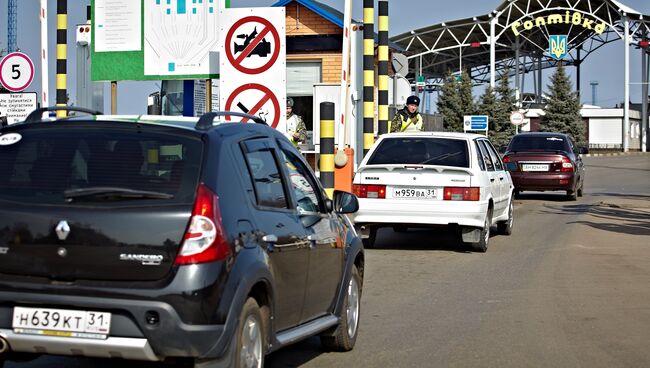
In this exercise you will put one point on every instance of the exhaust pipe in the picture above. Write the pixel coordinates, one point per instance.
(4, 345)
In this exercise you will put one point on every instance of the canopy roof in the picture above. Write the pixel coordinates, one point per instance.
(529, 24)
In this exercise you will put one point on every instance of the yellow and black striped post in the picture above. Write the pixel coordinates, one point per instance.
(368, 75)
(61, 55)
(383, 67)
(327, 147)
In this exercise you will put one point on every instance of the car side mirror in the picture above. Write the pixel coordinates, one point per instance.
(329, 205)
(511, 166)
(345, 202)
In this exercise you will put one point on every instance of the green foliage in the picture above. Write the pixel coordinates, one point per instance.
(455, 101)
(488, 103)
(562, 112)
(501, 130)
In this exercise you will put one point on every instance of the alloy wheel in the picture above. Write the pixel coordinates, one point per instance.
(251, 344)
(353, 307)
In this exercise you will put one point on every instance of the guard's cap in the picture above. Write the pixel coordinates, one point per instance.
(289, 102)
(413, 100)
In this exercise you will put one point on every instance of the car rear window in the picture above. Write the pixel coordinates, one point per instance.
(421, 151)
(538, 143)
(82, 165)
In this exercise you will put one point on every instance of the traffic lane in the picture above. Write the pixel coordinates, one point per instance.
(617, 175)
(558, 292)
(533, 299)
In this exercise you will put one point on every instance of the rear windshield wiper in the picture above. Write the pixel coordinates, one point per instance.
(111, 193)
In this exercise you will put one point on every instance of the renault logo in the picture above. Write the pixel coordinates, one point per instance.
(62, 230)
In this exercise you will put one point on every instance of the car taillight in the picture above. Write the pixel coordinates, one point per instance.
(567, 165)
(461, 194)
(369, 191)
(506, 159)
(204, 241)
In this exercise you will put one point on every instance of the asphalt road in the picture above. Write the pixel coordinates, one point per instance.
(569, 288)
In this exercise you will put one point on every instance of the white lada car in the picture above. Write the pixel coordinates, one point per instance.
(430, 179)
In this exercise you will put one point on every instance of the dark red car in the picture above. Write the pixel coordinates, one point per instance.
(545, 162)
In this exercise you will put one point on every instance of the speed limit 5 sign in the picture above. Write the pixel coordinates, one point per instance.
(16, 71)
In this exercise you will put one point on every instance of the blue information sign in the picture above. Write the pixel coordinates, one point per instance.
(475, 122)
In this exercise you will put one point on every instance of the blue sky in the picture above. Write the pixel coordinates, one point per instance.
(605, 66)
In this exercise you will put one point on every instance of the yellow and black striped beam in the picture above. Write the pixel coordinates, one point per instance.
(327, 147)
(61, 55)
(383, 67)
(368, 75)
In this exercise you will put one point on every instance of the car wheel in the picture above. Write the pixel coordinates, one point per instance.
(482, 244)
(505, 227)
(369, 242)
(580, 190)
(572, 195)
(249, 352)
(345, 335)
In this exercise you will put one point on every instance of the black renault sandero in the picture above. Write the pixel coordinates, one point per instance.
(191, 240)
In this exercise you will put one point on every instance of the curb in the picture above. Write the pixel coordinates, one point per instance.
(616, 154)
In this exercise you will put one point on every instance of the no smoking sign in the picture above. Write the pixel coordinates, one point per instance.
(16, 71)
(255, 99)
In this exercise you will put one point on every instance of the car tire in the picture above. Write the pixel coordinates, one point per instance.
(482, 245)
(505, 227)
(344, 336)
(250, 337)
(369, 242)
(580, 190)
(572, 195)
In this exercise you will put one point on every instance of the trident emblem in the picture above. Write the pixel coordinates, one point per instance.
(558, 47)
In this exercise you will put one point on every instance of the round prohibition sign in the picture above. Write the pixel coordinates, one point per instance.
(267, 95)
(16, 71)
(237, 62)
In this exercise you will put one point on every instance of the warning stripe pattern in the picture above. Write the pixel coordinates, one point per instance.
(61, 55)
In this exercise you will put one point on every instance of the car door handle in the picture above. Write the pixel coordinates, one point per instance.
(270, 238)
(492, 180)
(501, 178)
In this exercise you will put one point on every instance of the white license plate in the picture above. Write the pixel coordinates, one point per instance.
(414, 193)
(534, 167)
(61, 322)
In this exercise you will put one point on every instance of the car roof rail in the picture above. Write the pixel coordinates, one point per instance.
(205, 122)
(37, 115)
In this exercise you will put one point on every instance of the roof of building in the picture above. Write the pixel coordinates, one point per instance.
(443, 46)
(332, 15)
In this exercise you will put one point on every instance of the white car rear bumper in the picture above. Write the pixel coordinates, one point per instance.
(434, 212)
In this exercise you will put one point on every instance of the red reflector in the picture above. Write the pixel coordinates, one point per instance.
(564, 181)
(475, 44)
(461, 194)
(369, 191)
(506, 159)
(644, 43)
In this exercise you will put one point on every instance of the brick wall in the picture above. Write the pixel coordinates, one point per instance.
(331, 65)
(302, 22)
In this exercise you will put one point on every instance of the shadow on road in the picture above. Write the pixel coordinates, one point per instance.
(295, 355)
(616, 167)
(544, 196)
(629, 217)
(445, 239)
